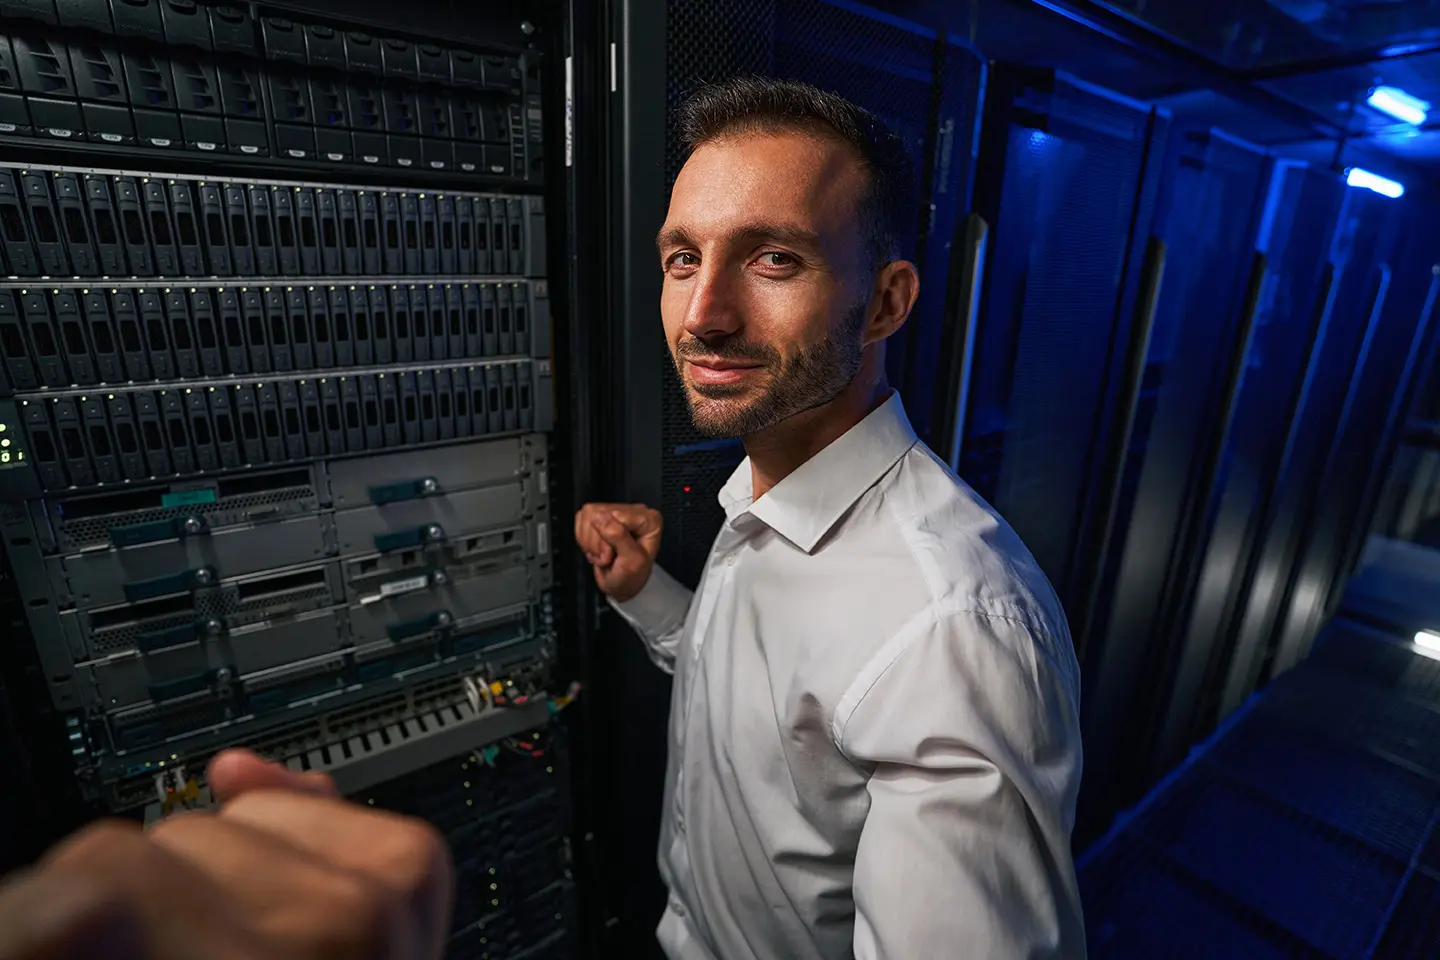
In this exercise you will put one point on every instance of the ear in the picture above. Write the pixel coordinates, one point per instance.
(897, 286)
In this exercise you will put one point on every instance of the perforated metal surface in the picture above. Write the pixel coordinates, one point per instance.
(879, 65)
(1069, 199)
(1143, 906)
(93, 531)
(1369, 798)
(1312, 818)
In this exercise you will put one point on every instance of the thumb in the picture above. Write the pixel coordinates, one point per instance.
(234, 772)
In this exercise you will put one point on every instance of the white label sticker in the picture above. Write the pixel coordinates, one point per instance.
(160, 141)
(245, 149)
(407, 585)
(111, 137)
(205, 146)
(296, 153)
(468, 167)
(8, 128)
(337, 157)
(542, 538)
(61, 132)
(404, 161)
(369, 159)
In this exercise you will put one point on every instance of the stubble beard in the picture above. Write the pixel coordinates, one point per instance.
(802, 382)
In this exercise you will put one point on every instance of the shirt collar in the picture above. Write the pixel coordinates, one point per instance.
(804, 506)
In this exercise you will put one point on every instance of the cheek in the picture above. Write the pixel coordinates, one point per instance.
(789, 316)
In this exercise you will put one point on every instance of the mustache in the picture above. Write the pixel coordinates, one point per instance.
(693, 348)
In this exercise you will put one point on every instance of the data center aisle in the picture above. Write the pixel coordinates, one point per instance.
(1306, 827)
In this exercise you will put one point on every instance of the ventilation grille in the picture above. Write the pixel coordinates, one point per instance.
(225, 602)
(95, 531)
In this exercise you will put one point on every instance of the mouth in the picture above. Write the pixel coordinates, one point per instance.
(719, 372)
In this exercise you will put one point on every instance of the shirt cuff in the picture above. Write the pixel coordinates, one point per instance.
(659, 608)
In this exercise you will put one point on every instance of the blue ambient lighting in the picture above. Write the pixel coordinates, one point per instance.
(1400, 105)
(1370, 181)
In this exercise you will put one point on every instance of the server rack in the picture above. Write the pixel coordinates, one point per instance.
(282, 309)
(1067, 179)
(1389, 258)
(1209, 214)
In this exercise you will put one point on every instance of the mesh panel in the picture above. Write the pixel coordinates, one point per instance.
(1371, 799)
(95, 531)
(1138, 905)
(223, 602)
(1067, 203)
(1329, 890)
(879, 66)
(1368, 715)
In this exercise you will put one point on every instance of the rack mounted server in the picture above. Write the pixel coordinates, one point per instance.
(199, 542)
(274, 440)
(259, 85)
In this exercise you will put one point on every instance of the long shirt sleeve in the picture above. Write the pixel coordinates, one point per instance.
(658, 614)
(972, 731)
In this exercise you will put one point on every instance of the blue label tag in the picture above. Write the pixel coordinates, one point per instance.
(187, 498)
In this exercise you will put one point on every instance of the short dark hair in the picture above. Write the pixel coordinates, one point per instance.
(766, 105)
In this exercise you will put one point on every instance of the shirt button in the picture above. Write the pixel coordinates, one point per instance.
(676, 907)
(730, 560)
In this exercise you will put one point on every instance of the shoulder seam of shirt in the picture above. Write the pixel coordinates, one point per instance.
(893, 649)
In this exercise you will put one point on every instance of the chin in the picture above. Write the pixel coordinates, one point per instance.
(719, 419)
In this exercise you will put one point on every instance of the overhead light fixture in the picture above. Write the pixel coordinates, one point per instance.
(1400, 105)
(1428, 641)
(1373, 181)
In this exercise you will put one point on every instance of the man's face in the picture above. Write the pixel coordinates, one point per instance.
(767, 279)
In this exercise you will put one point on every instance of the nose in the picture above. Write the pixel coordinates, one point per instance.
(714, 309)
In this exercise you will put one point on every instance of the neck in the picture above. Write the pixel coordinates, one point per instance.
(779, 450)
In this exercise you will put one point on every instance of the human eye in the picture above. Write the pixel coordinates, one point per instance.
(681, 261)
(777, 263)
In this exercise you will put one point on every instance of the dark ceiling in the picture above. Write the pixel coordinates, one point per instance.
(1292, 75)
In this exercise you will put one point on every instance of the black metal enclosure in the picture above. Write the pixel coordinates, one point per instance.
(287, 295)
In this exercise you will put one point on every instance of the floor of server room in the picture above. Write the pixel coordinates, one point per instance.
(1305, 827)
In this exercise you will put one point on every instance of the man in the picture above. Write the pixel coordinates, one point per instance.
(874, 745)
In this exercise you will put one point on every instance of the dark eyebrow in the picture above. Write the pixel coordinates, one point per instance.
(754, 232)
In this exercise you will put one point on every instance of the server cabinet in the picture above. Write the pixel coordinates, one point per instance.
(1208, 213)
(1294, 313)
(1360, 285)
(1386, 261)
(244, 514)
(1067, 179)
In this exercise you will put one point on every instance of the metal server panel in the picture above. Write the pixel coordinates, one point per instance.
(212, 524)
(274, 465)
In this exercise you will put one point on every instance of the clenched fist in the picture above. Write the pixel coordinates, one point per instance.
(621, 541)
(285, 870)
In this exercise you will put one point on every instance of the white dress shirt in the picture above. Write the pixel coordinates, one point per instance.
(874, 732)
